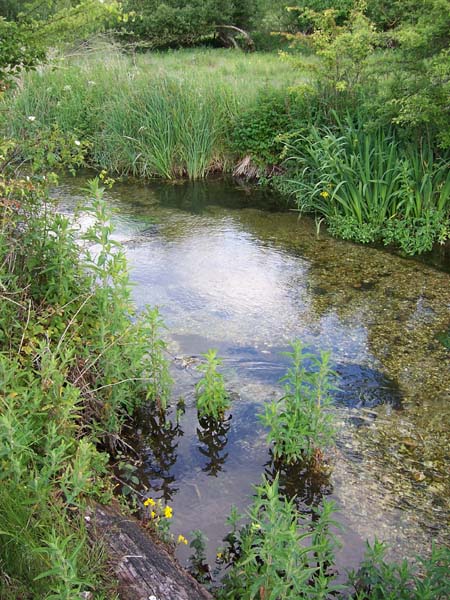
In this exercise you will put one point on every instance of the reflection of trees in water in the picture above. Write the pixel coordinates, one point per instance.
(213, 435)
(161, 436)
(308, 481)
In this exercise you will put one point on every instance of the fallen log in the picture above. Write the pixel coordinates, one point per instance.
(144, 568)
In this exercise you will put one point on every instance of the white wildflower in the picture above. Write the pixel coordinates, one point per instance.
(31, 118)
(77, 143)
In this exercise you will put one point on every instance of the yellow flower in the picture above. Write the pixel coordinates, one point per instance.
(219, 555)
(181, 540)
(153, 514)
(168, 512)
(149, 502)
(324, 194)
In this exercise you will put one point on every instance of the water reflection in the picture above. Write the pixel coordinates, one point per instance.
(213, 435)
(160, 438)
(308, 481)
(248, 282)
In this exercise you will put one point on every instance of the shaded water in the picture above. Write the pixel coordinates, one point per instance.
(231, 271)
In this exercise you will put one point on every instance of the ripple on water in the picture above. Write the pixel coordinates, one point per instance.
(247, 281)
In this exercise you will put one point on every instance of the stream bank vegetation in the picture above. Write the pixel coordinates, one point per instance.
(75, 363)
(353, 125)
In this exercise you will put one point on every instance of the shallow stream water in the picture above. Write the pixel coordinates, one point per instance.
(232, 270)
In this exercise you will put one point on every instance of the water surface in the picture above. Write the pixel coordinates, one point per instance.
(230, 269)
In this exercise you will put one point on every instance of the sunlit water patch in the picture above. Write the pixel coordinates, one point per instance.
(231, 270)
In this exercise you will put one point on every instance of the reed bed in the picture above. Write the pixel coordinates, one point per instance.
(156, 114)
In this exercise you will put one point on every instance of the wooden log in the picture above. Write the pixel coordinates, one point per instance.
(144, 568)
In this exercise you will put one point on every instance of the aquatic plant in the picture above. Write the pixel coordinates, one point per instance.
(377, 579)
(211, 395)
(275, 555)
(300, 423)
(370, 187)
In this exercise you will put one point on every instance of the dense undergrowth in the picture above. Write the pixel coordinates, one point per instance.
(193, 113)
(75, 362)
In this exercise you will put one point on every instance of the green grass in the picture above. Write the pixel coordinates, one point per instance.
(75, 362)
(155, 114)
(369, 186)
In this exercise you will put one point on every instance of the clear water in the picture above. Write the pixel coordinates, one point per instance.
(232, 270)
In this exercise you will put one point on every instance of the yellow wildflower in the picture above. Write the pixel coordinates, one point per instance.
(324, 194)
(168, 512)
(219, 555)
(149, 502)
(153, 514)
(182, 540)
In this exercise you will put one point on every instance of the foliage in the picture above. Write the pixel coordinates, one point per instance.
(29, 29)
(18, 51)
(417, 97)
(184, 22)
(275, 556)
(199, 567)
(258, 131)
(73, 367)
(212, 397)
(299, 422)
(369, 187)
(342, 75)
(378, 580)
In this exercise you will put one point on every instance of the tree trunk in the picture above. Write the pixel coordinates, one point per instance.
(144, 568)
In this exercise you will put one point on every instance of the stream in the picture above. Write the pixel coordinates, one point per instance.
(232, 269)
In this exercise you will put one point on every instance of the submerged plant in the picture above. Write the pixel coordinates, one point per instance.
(300, 423)
(212, 397)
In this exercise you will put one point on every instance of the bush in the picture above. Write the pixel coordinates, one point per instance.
(299, 422)
(259, 131)
(276, 556)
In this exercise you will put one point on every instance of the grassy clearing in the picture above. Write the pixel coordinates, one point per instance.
(167, 114)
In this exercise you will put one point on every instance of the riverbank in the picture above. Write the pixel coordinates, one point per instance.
(75, 363)
(196, 113)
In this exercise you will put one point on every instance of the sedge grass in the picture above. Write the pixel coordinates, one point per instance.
(156, 114)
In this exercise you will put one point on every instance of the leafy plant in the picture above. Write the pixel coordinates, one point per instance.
(369, 187)
(378, 580)
(275, 556)
(199, 567)
(212, 397)
(300, 423)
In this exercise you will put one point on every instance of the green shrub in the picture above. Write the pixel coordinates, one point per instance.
(257, 131)
(212, 397)
(299, 423)
(276, 556)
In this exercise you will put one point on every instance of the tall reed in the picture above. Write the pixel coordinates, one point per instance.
(366, 182)
(156, 115)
